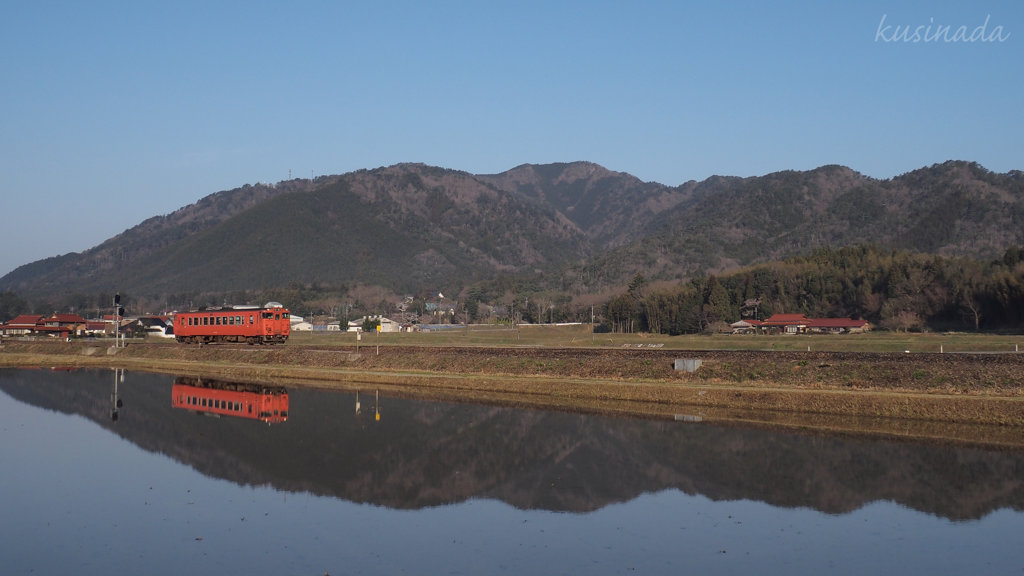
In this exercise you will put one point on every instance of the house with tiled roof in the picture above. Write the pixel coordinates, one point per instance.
(62, 325)
(21, 325)
(800, 324)
(746, 326)
(788, 323)
(837, 325)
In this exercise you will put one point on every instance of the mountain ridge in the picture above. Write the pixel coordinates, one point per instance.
(575, 227)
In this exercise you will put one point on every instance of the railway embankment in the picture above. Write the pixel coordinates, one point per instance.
(976, 398)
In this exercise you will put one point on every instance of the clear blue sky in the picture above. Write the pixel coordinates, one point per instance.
(112, 112)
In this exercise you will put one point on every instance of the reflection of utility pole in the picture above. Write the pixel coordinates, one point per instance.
(117, 319)
(376, 405)
(115, 400)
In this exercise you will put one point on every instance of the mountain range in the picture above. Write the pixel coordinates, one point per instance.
(577, 228)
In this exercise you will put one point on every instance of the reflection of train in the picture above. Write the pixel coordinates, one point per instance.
(220, 398)
(252, 324)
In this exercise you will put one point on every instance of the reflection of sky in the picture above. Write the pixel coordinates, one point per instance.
(79, 499)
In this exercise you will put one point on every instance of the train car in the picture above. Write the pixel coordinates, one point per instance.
(234, 399)
(270, 324)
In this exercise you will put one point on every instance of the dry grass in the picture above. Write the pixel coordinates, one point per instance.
(966, 398)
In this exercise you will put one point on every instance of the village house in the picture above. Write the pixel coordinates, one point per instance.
(21, 325)
(57, 325)
(386, 324)
(799, 324)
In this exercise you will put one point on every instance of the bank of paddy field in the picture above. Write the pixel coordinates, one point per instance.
(973, 397)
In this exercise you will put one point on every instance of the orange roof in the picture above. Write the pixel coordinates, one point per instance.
(836, 323)
(67, 319)
(786, 319)
(24, 320)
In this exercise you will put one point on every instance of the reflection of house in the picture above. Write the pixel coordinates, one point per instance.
(799, 324)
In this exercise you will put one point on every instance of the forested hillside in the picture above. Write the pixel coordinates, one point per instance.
(896, 290)
(561, 236)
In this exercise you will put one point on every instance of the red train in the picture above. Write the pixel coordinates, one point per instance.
(270, 324)
(237, 399)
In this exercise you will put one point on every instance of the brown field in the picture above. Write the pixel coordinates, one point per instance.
(960, 397)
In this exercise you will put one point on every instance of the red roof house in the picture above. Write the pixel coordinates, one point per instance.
(21, 324)
(837, 325)
(800, 324)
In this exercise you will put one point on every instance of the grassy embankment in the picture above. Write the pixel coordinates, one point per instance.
(973, 391)
(554, 336)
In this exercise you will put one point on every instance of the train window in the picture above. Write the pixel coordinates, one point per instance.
(285, 315)
(230, 320)
(238, 320)
(252, 319)
(277, 316)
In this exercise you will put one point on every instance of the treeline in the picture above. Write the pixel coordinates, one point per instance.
(896, 290)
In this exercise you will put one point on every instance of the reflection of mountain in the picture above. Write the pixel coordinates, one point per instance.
(424, 454)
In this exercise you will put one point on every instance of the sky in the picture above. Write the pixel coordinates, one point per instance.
(114, 112)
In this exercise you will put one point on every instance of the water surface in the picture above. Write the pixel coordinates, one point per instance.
(413, 487)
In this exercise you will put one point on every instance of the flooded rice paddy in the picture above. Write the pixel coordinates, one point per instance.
(143, 473)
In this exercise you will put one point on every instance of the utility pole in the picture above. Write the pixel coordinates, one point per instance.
(117, 320)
